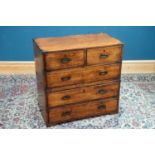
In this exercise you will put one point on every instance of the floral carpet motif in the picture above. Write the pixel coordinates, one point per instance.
(19, 107)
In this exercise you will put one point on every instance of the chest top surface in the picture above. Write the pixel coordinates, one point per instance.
(53, 44)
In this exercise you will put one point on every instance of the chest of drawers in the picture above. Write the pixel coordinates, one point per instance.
(77, 76)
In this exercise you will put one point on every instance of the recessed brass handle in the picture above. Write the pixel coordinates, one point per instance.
(103, 55)
(102, 91)
(66, 113)
(67, 97)
(65, 78)
(65, 60)
(103, 106)
(103, 72)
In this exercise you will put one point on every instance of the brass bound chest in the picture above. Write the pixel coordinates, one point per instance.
(77, 76)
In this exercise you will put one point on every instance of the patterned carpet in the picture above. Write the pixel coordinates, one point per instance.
(18, 104)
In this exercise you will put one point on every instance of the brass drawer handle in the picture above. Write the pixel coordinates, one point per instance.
(102, 91)
(103, 55)
(67, 97)
(103, 106)
(65, 60)
(66, 113)
(65, 78)
(103, 72)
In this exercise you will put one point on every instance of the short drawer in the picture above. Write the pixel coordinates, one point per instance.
(82, 110)
(82, 94)
(104, 55)
(82, 75)
(65, 59)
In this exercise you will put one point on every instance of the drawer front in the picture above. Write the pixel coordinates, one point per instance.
(83, 110)
(82, 94)
(104, 55)
(83, 75)
(64, 59)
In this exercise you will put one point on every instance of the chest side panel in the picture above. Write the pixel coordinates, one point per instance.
(41, 83)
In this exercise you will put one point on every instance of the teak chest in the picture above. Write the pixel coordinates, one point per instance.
(77, 76)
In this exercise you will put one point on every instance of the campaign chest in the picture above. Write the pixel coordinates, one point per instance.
(77, 76)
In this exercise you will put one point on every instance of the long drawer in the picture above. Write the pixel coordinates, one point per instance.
(83, 110)
(83, 75)
(82, 94)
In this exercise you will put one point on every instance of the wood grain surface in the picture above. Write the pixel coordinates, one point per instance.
(56, 44)
(104, 55)
(82, 75)
(41, 83)
(82, 94)
(82, 110)
(67, 59)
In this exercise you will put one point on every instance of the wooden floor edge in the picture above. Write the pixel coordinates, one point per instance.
(27, 67)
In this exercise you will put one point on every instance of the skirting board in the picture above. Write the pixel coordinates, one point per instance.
(28, 67)
(138, 66)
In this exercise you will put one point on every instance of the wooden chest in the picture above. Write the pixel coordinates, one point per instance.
(77, 76)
